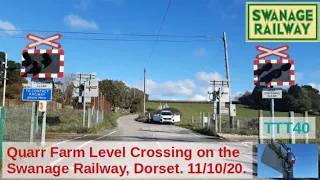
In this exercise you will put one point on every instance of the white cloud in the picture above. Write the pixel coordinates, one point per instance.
(237, 96)
(150, 86)
(199, 97)
(168, 88)
(173, 88)
(83, 5)
(203, 91)
(210, 76)
(77, 22)
(8, 27)
(314, 85)
(200, 52)
(127, 84)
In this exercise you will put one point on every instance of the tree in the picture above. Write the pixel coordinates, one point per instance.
(14, 81)
(246, 99)
(120, 95)
(64, 88)
(296, 98)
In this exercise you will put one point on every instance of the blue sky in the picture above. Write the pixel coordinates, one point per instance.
(177, 70)
(306, 165)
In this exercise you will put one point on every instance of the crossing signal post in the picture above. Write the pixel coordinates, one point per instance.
(270, 73)
(219, 97)
(42, 65)
(280, 158)
(85, 86)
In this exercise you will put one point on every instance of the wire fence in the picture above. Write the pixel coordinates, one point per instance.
(17, 124)
(95, 117)
(241, 125)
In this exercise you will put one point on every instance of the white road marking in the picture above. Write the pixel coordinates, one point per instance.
(66, 141)
(88, 142)
(159, 145)
(106, 135)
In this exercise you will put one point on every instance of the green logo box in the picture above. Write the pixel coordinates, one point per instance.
(282, 22)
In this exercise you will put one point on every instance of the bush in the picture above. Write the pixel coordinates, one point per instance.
(142, 118)
(82, 130)
(70, 121)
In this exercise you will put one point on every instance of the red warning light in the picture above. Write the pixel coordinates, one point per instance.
(292, 161)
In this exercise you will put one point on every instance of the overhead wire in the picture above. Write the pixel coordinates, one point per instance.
(159, 31)
(109, 34)
(114, 39)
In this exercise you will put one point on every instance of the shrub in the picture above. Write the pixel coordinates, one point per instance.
(142, 118)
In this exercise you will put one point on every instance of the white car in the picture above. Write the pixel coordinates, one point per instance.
(165, 116)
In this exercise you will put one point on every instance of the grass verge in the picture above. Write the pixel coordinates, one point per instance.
(70, 121)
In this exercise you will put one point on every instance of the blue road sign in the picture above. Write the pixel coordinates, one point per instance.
(36, 94)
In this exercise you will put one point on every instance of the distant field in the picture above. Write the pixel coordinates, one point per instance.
(193, 109)
(243, 113)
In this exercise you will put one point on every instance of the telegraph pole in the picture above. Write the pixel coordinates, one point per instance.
(228, 76)
(4, 80)
(84, 104)
(144, 91)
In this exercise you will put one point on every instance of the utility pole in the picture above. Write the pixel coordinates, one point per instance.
(4, 80)
(144, 91)
(84, 104)
(228, 76)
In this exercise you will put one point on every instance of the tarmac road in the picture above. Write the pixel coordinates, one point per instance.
(158, 136)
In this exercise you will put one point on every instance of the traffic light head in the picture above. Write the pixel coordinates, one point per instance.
(274, 72)
(290, 157)
(42, 63)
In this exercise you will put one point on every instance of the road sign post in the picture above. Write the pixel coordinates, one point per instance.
(272, 93)
(273, 73)
(43, 109)
(43, 133)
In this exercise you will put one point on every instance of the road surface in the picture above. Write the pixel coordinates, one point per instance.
(158, 135)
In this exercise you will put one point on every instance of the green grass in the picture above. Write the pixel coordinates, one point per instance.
(70, 121)
(193, 109)
(243, 113)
